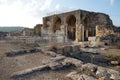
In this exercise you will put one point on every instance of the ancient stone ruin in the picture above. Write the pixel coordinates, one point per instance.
(77, 25)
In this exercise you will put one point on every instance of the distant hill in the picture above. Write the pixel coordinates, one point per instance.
(9, 29)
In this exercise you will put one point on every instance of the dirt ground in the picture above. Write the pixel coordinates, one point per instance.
(9, 65)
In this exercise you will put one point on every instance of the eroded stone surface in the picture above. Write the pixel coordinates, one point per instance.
(76, 76)
(73, 61)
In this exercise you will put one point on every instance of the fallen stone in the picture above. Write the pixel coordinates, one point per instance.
(58, 58)
(76, 76)
(31, 70)
(103, 48)
(103, 78)
(90, 67)
(21, 52)
(66, 64)
(114, 62)
(102, 72)
(14, 53)
(50, 53)
(73, 61)
(73, 75)
(55, 65)
(35, 49)
(115, 75)
(11, 53)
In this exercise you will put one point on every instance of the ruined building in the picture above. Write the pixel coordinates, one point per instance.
(37, 29)
(77, 25)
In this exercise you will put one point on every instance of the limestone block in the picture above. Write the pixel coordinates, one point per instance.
(83, 44)
(92, 38)
(76, 62)
(50, 53)
(89, 66)
(55, 65)
(100, 43)
(102, 72)
(77, 76)
(30, 70)
(115, 62)
(115, 75)
(58, 58)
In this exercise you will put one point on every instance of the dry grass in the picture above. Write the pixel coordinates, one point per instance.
(113, 58)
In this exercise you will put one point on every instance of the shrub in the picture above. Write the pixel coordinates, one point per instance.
(113, 58)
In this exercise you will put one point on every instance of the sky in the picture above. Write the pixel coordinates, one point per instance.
(28, 13)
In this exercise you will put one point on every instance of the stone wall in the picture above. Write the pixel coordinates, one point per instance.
(102, 30)
(37, 29)
(77, 25)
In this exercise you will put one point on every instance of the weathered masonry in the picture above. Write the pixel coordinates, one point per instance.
(76, 25)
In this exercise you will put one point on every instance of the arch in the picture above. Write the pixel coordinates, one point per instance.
(85, 21)
(56, 23)
(89, 29)
(71, 28)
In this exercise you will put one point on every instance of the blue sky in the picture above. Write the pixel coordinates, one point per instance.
(28, 13)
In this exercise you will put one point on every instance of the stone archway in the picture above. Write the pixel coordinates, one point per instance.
(56, 23)
(89, 29)
(71, 27)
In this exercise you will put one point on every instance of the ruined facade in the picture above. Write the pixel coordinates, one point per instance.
(27, 32)
(103, 30)
(37, 29)
(77, 25)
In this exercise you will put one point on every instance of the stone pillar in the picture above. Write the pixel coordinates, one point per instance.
(82, 32)
(66, 34)
(78, 27)
(79, 33)
(96, 30)
(65, 27)
(76, 33)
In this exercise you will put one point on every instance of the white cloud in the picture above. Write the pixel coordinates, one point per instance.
(57, 7)
(19, 13)
(3, 1)
(112, 2)
(46, 5)
(61, 8)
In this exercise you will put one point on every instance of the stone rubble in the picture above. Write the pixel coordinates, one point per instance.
(73, 61)
(59, 62)
(27, 71)
(21, 52)
(76, 76)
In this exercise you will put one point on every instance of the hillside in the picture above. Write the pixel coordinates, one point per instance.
(9, 29)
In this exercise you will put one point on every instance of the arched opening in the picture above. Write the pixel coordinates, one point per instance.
(85, 23)
(57, 24)
(71, 28)
(89, 29)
